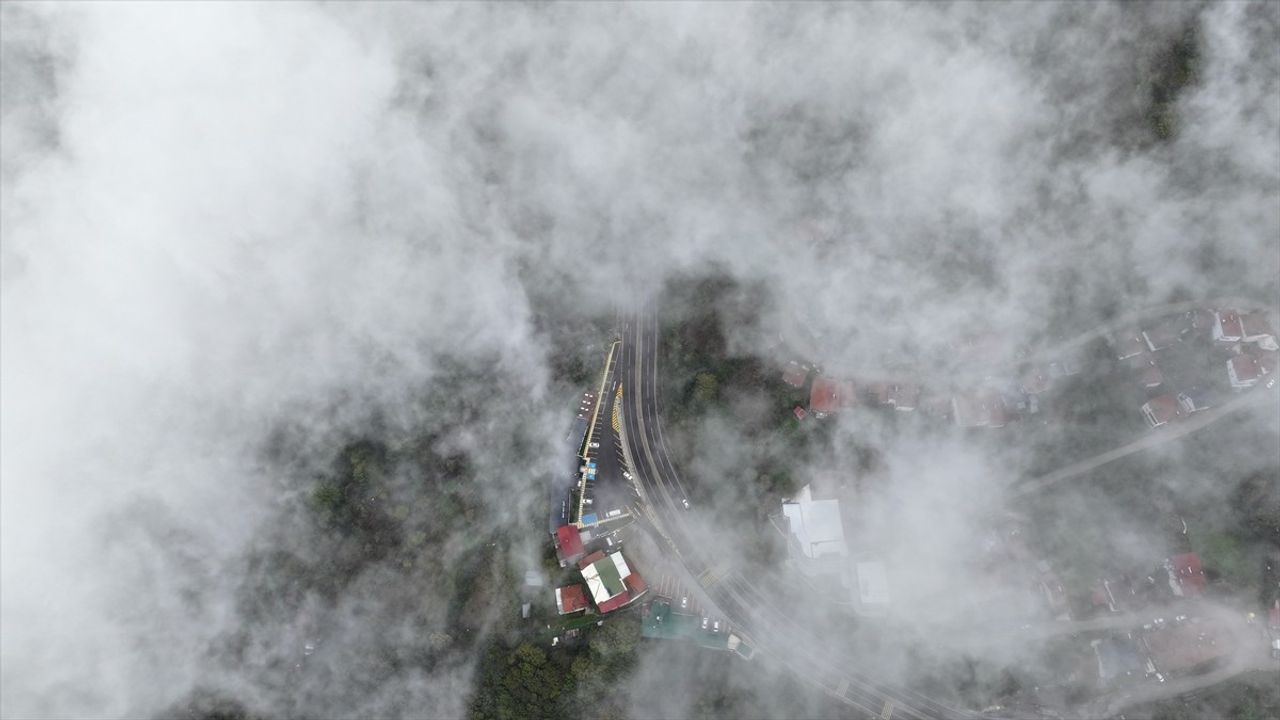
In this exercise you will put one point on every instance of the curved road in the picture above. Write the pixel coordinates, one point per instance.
(749, 609)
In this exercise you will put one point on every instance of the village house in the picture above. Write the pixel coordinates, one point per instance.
(829, 395)
(1129, 344)
(1227, 327)
(795, 374)
(899, 396)
(1255, 328)
(1247, 369)
(1164, 333)
(1162, 410)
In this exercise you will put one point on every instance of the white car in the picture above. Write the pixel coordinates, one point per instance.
(684, 602)
(716, 626)
(595, 444)
(686, 503)
(627, 475)
(705, 621)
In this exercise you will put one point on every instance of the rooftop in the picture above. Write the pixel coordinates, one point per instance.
(829, 395)
(815, 524)
(570, 598)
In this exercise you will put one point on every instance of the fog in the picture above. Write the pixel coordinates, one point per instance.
(234, 237)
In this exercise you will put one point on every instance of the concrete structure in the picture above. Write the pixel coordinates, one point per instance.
(815, 526)
(873, 588)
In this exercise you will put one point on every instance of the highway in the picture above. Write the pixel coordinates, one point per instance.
(749, 609)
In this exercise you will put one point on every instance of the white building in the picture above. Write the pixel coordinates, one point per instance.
(873, 588)
(815, 526)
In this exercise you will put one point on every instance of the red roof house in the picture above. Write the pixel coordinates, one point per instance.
(1162, 410)
(570, 599)
(1246, 369)
(1188, 646)
(1227, 326)
(828, 395)
(1273, 616)
(794, 374)
(568, 544)
(799, 412)
(590, 559)
(1255, 328)
(1186, 578)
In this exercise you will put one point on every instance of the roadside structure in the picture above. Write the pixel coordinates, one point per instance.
(611, 583)
(569, 548)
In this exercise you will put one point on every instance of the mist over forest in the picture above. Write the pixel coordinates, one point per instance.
(298, 300)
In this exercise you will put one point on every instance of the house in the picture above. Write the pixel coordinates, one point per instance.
(610, 581)
(1164, 333)
(1151, 376)
(1162, 410)
(570, 599)
(899, 396)
(795, 374)
(1193, 401)
(1273, 615)
(799, 412)
(1246, 369)
(1255, 328)
(1187, 647)
(1186, 578)
(829, 395)
(981, 409)
(1036, 380)
(1227, 327)
(568, 544)
(1129, 344)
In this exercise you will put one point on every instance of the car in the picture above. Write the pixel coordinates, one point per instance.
(705, 622)
(686, 503)
(627, 475)
(587, 501)
(684, 602)
(715, 627)
(595, 444)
